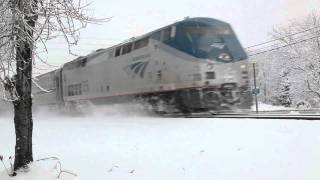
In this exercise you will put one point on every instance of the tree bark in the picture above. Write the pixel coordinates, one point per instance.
(23, 83)
(23, 108)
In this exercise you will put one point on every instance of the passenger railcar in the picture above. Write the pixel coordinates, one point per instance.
(194, 64)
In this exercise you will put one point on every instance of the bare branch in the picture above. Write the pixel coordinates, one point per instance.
(52, 19)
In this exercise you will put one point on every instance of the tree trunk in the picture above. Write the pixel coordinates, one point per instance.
(23, 83)
(23, 108)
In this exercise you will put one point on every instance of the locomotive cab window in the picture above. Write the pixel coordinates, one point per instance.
(204, 40)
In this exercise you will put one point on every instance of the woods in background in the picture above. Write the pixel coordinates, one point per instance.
(289, 69)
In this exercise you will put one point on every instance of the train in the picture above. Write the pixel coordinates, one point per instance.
(196, 64)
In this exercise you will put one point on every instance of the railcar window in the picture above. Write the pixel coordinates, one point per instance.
(74, 90)
(127, 48)
(141, 43)
(118, 51)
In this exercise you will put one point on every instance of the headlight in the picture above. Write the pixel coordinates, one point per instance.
(225, 57)
(243, 66)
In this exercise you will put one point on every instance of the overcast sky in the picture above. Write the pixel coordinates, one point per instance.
(251, 20)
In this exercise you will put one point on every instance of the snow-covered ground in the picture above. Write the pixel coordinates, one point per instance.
(268, 107)
(116, 144)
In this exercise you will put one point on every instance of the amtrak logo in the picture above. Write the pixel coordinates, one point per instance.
(137, 69)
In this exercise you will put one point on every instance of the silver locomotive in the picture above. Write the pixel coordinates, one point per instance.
(193, 65)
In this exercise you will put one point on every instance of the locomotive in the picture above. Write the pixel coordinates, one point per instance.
(195, 64)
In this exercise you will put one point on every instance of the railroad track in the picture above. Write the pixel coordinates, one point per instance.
(258, 116)
(289, 115)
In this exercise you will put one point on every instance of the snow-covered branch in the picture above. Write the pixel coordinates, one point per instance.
(35, 22)
(292, 72)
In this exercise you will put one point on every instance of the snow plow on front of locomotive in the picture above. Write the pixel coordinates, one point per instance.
(221, 80)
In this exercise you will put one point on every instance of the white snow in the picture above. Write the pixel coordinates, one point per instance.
(36, 173)
(117, 144)
(268, 107)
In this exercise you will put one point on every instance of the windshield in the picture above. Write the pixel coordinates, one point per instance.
(207, 42)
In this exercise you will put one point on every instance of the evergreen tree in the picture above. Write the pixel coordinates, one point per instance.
(284, 98)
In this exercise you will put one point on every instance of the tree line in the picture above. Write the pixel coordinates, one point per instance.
(289, 67)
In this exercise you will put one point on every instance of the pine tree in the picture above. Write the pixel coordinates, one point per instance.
(284, 98)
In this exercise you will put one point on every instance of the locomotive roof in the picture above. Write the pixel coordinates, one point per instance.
(206, 20)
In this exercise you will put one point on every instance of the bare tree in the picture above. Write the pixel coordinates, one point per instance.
(302, 55)
(296, 50)
(25, 26)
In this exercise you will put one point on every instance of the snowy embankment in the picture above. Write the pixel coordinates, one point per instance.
(115, 145)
